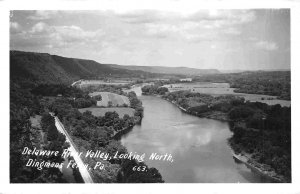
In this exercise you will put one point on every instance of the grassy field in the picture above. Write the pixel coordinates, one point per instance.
(101, 111)
(85, 83)
(217, 89)
(115, 99)
(202, 87)
(35, 121)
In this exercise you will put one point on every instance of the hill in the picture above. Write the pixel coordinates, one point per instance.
(170, 70)
(46, 68)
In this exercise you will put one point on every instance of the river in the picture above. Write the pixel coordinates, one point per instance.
(198, 145)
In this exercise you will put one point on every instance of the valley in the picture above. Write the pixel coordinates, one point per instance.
(101, 107)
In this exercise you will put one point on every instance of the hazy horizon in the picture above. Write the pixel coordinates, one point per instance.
(248, 39)
(221, 70)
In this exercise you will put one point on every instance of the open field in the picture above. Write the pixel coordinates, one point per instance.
(85, 83)
(115, 99)
(101, 111)
(217, 89)
(35, 121)
(202, 87)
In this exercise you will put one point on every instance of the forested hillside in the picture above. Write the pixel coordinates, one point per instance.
(46, 68)
(38, 85)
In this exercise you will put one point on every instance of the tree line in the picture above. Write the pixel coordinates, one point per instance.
(274, 83)
(259, 129)
(24, 104)
(89, 132)
(96, 133)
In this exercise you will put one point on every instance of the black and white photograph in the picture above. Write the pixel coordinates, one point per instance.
(173, 94)
(150, 97)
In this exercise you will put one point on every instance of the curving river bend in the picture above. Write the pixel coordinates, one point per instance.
(198, 145)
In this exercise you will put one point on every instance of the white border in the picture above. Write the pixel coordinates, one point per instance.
(121, 6)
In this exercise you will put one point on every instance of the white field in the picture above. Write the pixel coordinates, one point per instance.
(85, 83)
(117, 100)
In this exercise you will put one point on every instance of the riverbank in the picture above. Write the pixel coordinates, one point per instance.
(118, 135)
(262, 169)
(210, 115)
(258, 167)
(137, 121)
(216, 115)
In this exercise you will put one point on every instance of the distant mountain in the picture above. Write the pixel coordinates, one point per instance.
(170, 70)
(232, 71)
(46, 68)
(245, 70)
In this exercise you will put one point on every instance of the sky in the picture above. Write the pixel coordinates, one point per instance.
(230, 39)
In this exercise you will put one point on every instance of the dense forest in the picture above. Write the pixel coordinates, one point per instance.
(89, 133)
(97, 133)
(73, 95)
(118, 89)
(24, 104)
(154, 89)
(259, 130)
(274, 83)
(38, 85)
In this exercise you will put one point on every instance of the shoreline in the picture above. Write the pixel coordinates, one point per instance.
(119, 134)
(210, 115)
(258, 167)
(240, 157)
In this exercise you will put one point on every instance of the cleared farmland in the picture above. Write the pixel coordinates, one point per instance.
(217, 89)
(101, 111)
(86, 83)
(115, 99)
(35, 121)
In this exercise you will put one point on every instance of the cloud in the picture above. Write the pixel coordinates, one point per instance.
(43, 14)
(153, 37)
(223, 18)
(142, 17)
(204, 24)
(161, 30)
(236, 16)
(15, 25)
(15, 28)
(45, 35)
(232, 31)
(265, 45)
(199, 26)
(41, 28)
(213, 46)
(76, 34)
(209, 18)
(188, 31)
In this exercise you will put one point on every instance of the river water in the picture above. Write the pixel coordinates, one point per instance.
(198, 145)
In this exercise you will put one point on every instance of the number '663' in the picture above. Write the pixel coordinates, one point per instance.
(139, 168)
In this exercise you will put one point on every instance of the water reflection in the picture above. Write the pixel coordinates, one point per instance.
(198, 146)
